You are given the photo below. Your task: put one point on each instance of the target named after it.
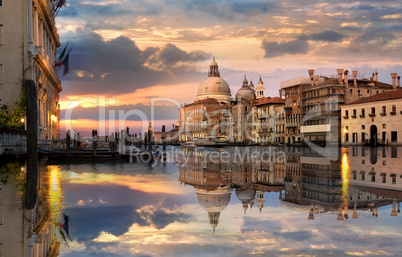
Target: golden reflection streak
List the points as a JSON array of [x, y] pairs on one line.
[[55, 194], [345, 177]]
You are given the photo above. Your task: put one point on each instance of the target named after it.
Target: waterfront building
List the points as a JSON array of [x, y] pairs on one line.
[[271, 117], [292, 90], [321, 102], [28, 43], [373, 120]]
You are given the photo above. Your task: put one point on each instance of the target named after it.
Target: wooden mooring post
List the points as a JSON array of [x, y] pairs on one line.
[[68, 141], [94, 143], [31, 98], [164, 143]]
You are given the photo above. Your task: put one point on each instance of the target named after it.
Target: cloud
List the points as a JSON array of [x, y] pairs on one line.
[[275, 49], [326, 36], [118, 66]]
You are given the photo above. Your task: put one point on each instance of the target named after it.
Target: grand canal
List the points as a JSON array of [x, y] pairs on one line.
[[259, 201]]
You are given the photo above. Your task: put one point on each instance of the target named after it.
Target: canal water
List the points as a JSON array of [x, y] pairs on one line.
[[245, 201]]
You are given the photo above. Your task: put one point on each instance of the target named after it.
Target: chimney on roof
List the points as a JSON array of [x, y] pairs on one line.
[[346, 78], [311, 74], [399, 81], [340, 72], [280, 93], [393, 76], [376, 75], [354, 77], [316, 77], [173, 126]]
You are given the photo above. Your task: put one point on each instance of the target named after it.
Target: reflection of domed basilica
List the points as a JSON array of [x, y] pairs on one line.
[[214, 202], [311, 183]]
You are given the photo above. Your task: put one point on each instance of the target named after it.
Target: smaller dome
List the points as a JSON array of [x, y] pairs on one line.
[[251, 84], [245, 92]]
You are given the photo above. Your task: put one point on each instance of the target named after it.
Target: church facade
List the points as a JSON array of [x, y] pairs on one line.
[[214, 113]]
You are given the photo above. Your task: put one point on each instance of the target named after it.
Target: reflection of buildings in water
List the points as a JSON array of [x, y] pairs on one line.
[[362, 180], [213, 176], [26, 232], [357, 183]]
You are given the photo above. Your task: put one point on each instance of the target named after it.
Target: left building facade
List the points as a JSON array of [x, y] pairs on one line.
[[28, 47]]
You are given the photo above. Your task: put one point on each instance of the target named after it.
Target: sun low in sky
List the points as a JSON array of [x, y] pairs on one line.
[[133, 51]]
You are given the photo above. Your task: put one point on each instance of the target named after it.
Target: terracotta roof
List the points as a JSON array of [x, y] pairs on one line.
[[390, 95], [223, 106], [203, 101], [270, 100]]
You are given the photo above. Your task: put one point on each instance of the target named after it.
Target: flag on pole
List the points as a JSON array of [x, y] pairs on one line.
[[57, 6], [66, 63], [60, 61]]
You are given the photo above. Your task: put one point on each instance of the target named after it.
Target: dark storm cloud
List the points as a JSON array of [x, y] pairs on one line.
[[274, 49], [162, 112], [119, 66], [326, 36], [91, 53], [171, 55]]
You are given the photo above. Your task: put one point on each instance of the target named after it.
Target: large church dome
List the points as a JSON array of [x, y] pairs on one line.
[[245, 92], [214, 86]]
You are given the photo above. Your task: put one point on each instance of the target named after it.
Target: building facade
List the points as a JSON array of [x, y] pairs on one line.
[[375, 120], [28, 43], [321, 102]]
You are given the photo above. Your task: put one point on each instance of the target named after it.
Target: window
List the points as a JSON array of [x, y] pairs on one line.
[[363, 113], [347, 137], [394, 136], [384, 178], [363, 136], [354, 113], [373, 110], [363, 126], [346, 114], [1, 2], [393, 112], [384, 125], [384, 109]]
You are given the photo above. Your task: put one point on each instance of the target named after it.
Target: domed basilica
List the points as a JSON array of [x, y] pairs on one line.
[[214, 112]]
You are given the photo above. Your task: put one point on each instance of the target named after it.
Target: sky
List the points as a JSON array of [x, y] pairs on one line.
[[128, 54]]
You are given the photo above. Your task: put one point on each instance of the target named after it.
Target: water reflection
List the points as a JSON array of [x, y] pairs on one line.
[[232, 202], [309, 182], [28, 232]]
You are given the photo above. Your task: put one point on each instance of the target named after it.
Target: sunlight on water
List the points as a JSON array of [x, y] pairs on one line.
[[345, 180], [55, 192]]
